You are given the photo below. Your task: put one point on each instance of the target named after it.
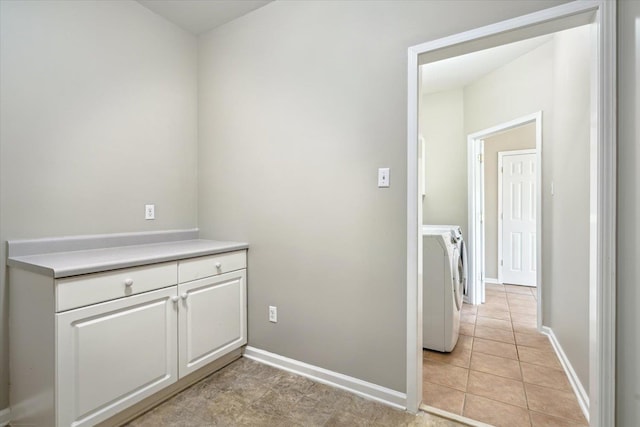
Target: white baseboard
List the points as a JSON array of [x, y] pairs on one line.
[[454, 417], [491, 280], [354, 385], [5, 417], [578, 389]]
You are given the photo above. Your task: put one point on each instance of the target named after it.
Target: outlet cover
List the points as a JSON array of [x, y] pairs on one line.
[[149, 211]]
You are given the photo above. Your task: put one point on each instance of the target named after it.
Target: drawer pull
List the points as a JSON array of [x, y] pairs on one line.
[[128, 282], [185, 295], [218, 265]]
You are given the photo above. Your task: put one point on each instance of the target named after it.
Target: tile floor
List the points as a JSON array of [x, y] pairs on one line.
[[247, 393], [502, 371]]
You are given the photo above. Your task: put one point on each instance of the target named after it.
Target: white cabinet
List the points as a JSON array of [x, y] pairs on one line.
[[212, 319], [85, 348], [114, 354]]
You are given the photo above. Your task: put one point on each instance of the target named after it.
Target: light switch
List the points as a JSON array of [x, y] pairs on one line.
[[383, 177]]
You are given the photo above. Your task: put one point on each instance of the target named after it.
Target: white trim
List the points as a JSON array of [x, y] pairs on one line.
[[353, 385], [602, 275], [501, 155], [451, 416], [5, 417], [602, 282], [414, 243], [576, 384], [475, 204], [492, 280]]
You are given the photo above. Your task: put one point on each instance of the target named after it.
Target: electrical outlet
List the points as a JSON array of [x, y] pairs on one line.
[[383, 177], [273, 314], [149, 211]]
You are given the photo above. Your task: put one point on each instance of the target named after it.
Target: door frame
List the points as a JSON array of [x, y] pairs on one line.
[[602, 310], [501, 156], [475, 203]]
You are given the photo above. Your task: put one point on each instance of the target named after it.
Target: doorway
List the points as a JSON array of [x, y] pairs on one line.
[[485, 217], [602, 170]]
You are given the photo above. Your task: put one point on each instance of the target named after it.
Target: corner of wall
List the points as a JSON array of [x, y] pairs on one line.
[[574, 380], [5, 417]]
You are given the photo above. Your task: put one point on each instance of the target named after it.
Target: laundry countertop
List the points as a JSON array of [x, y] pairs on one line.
[[73, 263]]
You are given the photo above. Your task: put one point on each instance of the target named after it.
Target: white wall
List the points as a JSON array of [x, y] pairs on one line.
[[628, 272], [300, 103], [98, 117], [442, 126]]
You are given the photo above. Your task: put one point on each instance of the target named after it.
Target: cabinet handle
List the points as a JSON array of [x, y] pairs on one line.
[[218, 265], [175, 298], [185, 295], [128, 282]]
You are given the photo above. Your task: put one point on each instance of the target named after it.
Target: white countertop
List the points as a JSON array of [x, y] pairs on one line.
[[73, 263]]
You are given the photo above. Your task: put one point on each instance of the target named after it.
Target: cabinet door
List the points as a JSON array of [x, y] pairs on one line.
[[212, 319], [114, 354]]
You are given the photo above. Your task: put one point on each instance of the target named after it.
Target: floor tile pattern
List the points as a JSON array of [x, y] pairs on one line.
[[247, 393], [502, 371]]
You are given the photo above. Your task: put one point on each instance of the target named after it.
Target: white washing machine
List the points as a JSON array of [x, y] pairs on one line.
[[443, 286], [456, 233]]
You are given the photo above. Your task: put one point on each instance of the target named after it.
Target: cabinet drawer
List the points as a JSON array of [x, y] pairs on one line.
[[198, 268], [88, 289]]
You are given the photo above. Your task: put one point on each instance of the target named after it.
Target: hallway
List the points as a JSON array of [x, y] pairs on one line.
[[502, 371]]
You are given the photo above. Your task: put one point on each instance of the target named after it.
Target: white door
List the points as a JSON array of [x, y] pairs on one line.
[[518, 217], [114, 354], [212, 319]]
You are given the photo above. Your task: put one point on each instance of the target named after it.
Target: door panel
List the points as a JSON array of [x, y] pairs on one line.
[[518, 207], [212, 319]]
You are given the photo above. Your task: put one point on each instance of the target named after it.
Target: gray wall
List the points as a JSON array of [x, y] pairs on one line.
[[98, 117], [628, 338], [442, 126], [300, 103], [520, 138], [566, 227]]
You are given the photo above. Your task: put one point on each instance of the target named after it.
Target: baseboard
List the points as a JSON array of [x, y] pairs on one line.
[[578, 389], [5, 417], [454, 417], [354, 385], [491, 280]]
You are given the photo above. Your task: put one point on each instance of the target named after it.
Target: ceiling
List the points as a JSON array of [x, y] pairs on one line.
[[461, 70], [199, 16]]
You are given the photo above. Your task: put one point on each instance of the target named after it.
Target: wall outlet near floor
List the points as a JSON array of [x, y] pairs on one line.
[[273, 314], [149, 211]]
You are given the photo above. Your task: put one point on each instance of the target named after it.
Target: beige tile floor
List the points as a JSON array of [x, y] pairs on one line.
[[247, 393], [502, 371]]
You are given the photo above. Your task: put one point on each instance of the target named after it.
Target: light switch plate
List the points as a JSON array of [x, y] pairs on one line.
[[383, 177]]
